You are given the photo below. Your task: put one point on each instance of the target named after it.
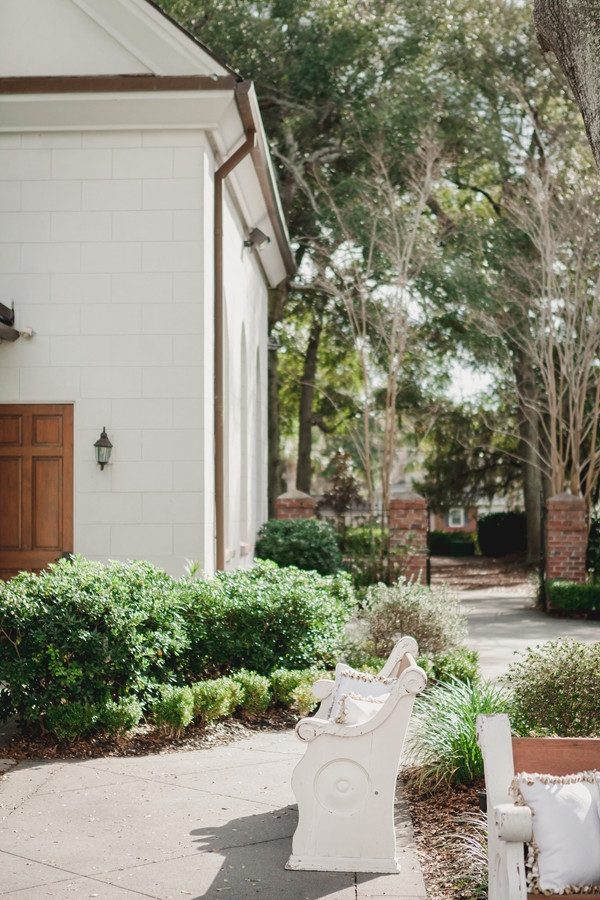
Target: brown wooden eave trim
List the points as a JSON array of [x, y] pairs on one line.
[[81, 84]]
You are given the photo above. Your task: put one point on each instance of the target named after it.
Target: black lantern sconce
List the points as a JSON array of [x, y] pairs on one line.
[[103, 447]]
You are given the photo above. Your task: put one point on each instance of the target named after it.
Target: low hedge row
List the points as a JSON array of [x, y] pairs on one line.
[[174, 707], [98, 639], [582, 599]]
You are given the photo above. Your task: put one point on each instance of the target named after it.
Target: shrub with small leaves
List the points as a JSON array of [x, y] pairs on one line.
[[263, 618], [304, 543], [117, 717], [173, 709], [69, 721], [430, 615], [555, 689], [81, 632], [292, 689], [459, 663], [256, 691], [215, 699]]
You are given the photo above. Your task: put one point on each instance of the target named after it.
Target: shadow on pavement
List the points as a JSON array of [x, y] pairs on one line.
[[254, 850]]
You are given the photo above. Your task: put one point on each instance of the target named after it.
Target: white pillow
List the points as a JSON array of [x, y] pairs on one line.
[[564, 856], [354, 709], [350, 681]]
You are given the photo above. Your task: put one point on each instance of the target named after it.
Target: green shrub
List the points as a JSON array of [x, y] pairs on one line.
[[458, 663], [256, 691], [430, 615], [569, 597], [173, 709], [304, 543], [117, 717], [555, 689], [593, 546], [502, 533], [292, 688], [69, 721], [263, 618], [81, 632], [457, 543], [442, 736], [216, 699]]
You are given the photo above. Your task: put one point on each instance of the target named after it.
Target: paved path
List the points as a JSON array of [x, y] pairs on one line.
[[503, 624], [211, 823]]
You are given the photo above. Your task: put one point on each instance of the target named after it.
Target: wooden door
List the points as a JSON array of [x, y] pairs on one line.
[[36, 486]]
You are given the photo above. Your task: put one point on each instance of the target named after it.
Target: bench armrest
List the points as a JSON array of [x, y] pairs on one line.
[[513, 823], [323, 688]]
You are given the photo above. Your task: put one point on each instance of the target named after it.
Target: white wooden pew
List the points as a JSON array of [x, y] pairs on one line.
[[510, 825], [345, 783]]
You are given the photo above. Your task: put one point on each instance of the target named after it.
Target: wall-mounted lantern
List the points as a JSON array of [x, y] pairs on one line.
[[103, 447], [257, 239]]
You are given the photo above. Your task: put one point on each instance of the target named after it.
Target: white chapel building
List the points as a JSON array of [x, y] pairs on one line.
[[140, 232]]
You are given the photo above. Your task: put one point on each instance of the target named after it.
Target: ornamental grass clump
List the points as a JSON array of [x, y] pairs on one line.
[[442, 740], [431, 615], [555, 689]]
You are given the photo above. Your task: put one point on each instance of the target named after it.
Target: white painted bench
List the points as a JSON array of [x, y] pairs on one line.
[[510, 824], [345, 783]]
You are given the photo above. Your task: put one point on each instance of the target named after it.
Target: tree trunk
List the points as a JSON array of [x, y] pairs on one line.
[[529, 453], [571, 30], [307, 392]]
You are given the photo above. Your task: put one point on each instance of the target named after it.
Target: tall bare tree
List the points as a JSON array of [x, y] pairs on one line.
[[380, 249]]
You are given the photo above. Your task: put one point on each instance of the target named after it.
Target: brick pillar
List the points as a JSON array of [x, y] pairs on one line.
[[408, 533], [294, 505], [566, 538]]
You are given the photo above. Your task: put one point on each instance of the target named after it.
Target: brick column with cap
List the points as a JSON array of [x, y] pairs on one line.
[[408, 534], [566, 538], [294, 505]]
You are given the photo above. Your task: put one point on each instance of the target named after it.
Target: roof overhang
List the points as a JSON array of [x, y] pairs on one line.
[[219, 104]]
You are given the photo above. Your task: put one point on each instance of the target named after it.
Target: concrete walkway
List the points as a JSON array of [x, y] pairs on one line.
[[503, 624], [211, 823]]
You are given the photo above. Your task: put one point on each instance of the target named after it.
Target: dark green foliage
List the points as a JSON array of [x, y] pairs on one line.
[[85, 647], [583, 599], [502, 533], [263, 618], [215, 699], [256, 691], [173, 709], [84, 633], [304, 543], [459, 663], [71, 720], [120, 716], [365, 552], [556, 690], [593, 547], [444, 543]]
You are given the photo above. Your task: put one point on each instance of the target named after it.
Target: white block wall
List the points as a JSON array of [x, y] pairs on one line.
[[106, 247]]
